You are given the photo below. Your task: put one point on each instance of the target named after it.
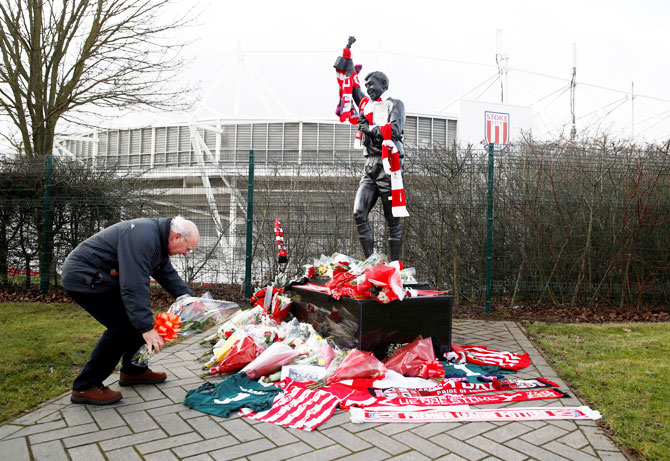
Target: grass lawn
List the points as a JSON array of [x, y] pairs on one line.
[[621, 370], [42, 349]]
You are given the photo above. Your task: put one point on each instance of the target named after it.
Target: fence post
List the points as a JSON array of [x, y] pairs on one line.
[[250, 226], [489, 232], [45, 259]]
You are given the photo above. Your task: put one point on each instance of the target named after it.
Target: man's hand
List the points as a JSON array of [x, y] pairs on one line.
[[153, 340]]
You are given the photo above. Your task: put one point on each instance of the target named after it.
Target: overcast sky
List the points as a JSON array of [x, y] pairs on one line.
[[434, 52]]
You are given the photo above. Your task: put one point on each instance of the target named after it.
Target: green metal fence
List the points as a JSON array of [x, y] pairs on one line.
[[584, 223]]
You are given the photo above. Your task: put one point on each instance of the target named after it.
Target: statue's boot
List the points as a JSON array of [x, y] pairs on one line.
[[395, 246], [367, 238], [395, 242]]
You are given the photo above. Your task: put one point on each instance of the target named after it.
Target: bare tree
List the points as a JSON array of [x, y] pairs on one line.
[[60, 58]]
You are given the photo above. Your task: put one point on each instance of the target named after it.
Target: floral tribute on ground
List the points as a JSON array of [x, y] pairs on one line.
[[282, 371]]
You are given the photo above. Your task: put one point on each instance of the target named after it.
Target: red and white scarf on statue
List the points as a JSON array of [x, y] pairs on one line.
[[365, 109], [393, 167], [347, 85], [390, 156]]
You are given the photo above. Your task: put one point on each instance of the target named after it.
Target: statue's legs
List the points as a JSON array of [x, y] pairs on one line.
[[366, 197], [383, 182], [395, 231]]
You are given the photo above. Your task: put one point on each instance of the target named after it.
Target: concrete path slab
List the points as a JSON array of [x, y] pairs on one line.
[[151, 423]]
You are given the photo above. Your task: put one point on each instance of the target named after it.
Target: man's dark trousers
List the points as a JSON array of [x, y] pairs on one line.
[[120, 340]]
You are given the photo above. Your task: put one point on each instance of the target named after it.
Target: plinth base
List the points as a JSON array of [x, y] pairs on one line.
[[380, 325]]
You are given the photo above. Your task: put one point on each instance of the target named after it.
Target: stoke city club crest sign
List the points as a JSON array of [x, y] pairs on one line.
[[497, 129]]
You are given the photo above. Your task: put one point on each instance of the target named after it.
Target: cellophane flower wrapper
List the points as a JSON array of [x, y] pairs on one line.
[[338, 358], [243, 352], [221, 348], [387, 276], [142, 357], [280, 307], [310, 351], [262, 335], [357, 365], [327, 353], [409, 359], [340, 284], [358, 267], [297, 333], [253, 316], [200, 313], [270, 361], [408, 275], [328, 266]]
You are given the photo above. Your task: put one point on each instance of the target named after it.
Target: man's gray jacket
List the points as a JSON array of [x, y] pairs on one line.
[[123, 258]]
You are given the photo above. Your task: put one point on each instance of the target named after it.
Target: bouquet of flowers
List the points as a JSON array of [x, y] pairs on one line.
[[167, 325], [408, 275], [328, 266], [357, 365], [314, 351], [262, 335], [372, 278], [410, 358], [353, 364], [253, 316], [242, 352], [296, 333], [200, 313], [341, 285], [270, 360], [272, 300], [381, 282]]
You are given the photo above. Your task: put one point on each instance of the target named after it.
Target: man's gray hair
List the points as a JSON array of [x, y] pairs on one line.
[[179, 226]]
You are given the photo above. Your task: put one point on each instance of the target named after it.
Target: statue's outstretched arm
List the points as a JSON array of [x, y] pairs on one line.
[[345, 64]]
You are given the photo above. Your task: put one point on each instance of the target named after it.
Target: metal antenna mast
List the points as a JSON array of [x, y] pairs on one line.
[[501, 61], [632, 110], [573, 85]]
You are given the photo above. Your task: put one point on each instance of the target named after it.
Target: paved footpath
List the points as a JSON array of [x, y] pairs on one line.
[[151, 423]]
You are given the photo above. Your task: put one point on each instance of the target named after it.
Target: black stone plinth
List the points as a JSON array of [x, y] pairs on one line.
[[380, 325]]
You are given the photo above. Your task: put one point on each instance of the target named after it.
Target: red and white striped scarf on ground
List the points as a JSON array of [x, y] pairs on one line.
[[393, 167], [400, 415], [445, 400], [481, 355], [437, 396], [297, 407]]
